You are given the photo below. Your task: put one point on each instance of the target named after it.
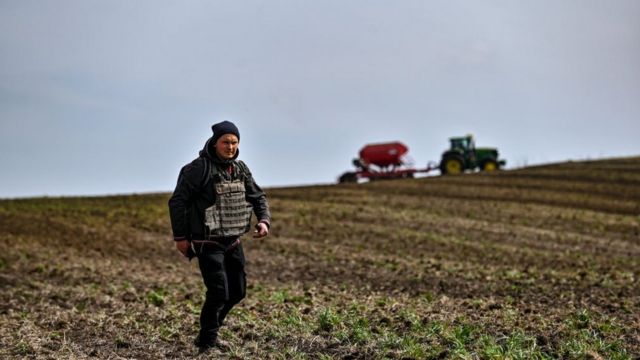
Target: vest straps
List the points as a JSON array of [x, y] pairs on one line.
[[211, 170]]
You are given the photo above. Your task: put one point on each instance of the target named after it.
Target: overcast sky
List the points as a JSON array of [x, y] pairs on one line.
[[104, 97]]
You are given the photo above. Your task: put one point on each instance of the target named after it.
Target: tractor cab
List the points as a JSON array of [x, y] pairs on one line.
[[465, 143], [466, 147]]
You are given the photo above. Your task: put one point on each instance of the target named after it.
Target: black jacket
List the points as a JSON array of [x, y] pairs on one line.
[[194, 193]]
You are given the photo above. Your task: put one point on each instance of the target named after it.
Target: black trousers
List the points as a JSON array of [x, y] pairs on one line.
[[223, 273]]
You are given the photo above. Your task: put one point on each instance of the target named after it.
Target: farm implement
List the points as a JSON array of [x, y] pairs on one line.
[[388, 161]]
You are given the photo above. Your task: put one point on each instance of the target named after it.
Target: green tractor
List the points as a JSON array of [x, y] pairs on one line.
[[463, 155]]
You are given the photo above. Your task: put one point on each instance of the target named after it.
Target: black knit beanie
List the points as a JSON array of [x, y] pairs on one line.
[[222, 128]]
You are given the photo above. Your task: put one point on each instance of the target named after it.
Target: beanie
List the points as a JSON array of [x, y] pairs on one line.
[[222, 128]]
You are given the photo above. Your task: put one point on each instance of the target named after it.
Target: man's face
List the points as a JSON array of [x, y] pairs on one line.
[[227, 146]]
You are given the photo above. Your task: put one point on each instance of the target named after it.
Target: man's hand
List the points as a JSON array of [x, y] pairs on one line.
[[261, 230], [183, 247]]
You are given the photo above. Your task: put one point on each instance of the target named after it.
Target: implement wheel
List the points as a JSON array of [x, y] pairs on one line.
[[452, 165], [348, 177]]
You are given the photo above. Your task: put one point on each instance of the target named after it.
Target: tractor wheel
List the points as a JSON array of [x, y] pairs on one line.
[[348, 177], [490, 165], [452, 165]]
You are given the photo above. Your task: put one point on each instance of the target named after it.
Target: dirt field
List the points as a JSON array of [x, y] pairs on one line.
[[541, 262]]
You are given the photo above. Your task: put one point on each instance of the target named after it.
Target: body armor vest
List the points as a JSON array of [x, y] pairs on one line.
[[230, 215]]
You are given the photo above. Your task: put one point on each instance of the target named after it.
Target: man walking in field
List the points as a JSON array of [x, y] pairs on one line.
[[210, 209]]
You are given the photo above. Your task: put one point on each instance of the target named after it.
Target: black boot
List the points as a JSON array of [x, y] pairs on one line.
[[205, 343], [210, 344]]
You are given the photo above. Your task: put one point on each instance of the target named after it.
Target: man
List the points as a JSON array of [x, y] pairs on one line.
[[210, 209]]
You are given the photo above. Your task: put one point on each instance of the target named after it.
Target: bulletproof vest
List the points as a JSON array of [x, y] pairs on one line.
[[230, 215]]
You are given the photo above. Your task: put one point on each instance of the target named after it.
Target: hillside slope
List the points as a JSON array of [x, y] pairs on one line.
[[541, 262]]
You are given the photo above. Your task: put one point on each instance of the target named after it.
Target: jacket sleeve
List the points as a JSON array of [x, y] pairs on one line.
[[257, 198], [180, 202]]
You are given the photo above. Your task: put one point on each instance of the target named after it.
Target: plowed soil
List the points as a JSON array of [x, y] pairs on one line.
[[541, 262]]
